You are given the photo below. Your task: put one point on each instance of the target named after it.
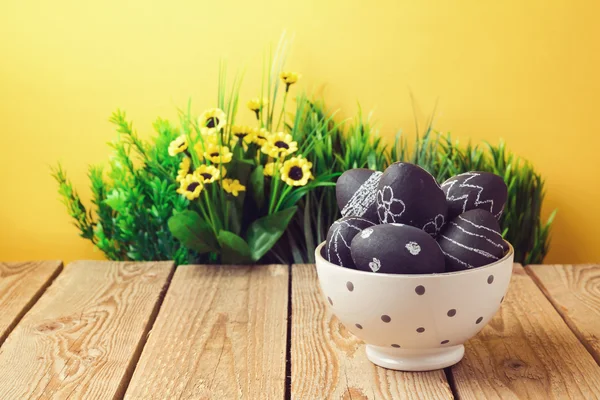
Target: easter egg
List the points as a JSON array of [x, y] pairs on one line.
[[340, 236], [323, 252], [396, 249], [410, 195], [471, 240], [356, 193], [475, 189]]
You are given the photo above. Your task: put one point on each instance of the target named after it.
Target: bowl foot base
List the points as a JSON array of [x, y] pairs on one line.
[[415, 359]]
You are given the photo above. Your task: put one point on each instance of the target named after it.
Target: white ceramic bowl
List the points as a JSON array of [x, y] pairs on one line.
[[415, 322]]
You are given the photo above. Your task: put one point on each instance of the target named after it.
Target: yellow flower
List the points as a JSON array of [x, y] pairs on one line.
[[190, 187], [242, 133], [207, 173], [296, 171], [178, 145], [232, 186], [211, 121], [184, 168], [289, 78], [260, 136], [217, 154], [269, 169], [279, 144], [256, 104]]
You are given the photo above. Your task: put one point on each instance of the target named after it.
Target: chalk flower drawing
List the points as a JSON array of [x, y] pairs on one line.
[[375, 265], [388, 208], [434, 226], [413, 248]]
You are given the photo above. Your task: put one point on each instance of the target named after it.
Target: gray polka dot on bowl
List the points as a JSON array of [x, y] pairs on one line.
[[396, 345], [479, 320], [330, 301], [350, 286], [420, 290], [386, 318], [490, 279], [444, 342], [421, 330], [451, 313], [359, 326]]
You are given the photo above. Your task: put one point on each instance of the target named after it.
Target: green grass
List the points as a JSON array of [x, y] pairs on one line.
[[358, 145]]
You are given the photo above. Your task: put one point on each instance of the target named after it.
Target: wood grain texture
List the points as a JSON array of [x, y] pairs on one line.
[[574, 291], [81, 339], [328, 362], [21, 285], [220, 334], [526, 352]]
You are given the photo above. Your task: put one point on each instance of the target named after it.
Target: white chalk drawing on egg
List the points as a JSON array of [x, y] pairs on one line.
[[487, 239], [366, 233], [413, 248], [338, 238], [434, 226], [389, 208], [465, 197], [474, 250], [362, 199], [375, 265]]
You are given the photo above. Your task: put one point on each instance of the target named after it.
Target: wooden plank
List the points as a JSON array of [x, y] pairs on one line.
[[221, 334], [81, 339], [328, 362], [526, 352], [574, 291], [21, 285]]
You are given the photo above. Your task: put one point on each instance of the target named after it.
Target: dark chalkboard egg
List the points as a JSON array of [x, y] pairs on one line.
[[475, 189], [356, 193], [410, 195], [396, 249], [340, 236], [324, 252], [471, 240]]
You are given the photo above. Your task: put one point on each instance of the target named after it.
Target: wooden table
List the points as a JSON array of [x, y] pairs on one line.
[[153, 331]]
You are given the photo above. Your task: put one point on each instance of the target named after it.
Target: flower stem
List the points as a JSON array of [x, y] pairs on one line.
[[282, 112]]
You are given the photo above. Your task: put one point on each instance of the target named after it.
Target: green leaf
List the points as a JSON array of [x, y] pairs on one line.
[[193, 232], [265, 232], [234, 249], [257, 183]]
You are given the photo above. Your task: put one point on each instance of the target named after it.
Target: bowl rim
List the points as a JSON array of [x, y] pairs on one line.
[[321, 260]]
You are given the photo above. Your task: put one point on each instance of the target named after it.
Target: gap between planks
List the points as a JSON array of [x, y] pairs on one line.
[[526, 351], [70, 341], [120, 394], [55, 268], [220, 333], [567, 288], [328, 362], [287, 394]]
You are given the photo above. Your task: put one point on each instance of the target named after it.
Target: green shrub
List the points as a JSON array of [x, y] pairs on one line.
[[360, 146]]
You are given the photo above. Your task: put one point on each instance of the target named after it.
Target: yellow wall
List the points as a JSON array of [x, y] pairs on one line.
[[525, 71]]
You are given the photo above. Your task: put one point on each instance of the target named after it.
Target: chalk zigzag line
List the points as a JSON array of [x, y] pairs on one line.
[[465, 197]]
